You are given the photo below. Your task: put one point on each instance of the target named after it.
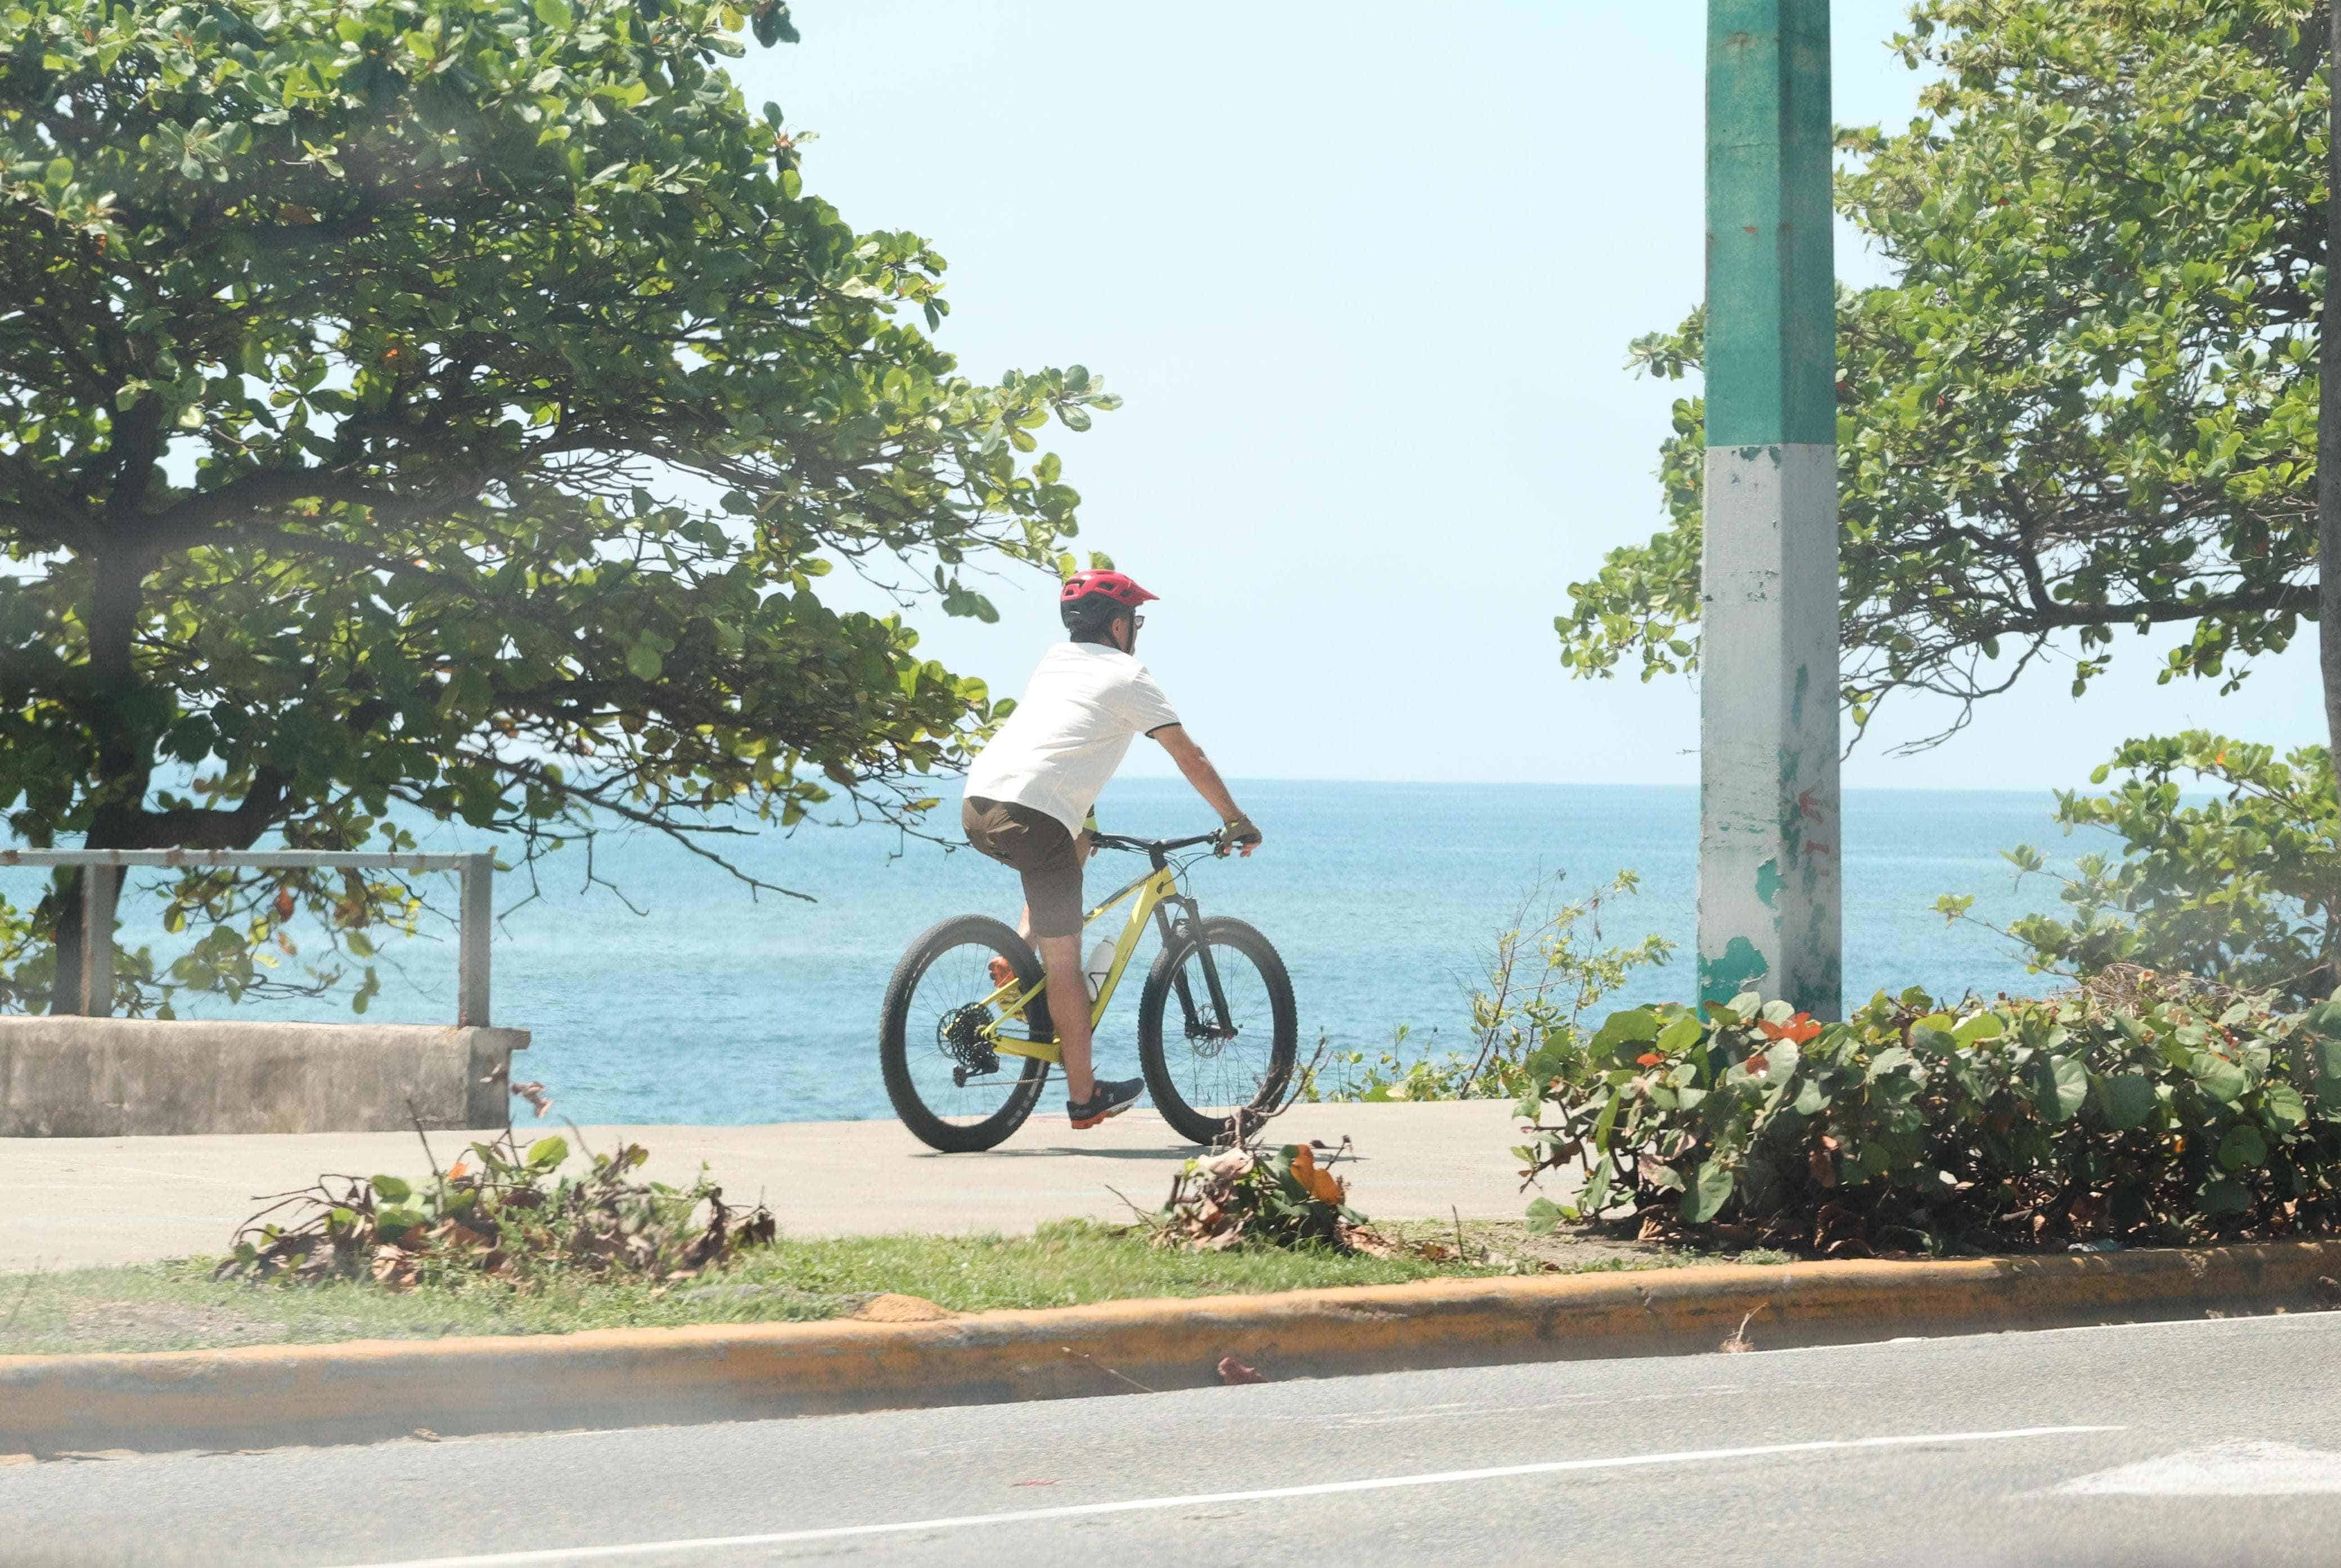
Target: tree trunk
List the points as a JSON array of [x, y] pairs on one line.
[[125, 757]]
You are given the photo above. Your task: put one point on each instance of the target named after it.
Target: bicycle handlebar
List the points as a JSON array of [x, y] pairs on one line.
[[1150, 846]]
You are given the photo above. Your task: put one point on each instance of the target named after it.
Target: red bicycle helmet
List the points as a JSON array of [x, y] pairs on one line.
[[1083, 586]]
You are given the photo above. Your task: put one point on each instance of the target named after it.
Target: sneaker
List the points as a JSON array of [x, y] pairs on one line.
[[1105, 1099]]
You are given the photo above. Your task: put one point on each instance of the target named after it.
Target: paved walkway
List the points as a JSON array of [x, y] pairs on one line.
[[73, 1202]]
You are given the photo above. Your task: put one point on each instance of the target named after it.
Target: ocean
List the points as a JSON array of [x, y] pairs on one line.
[[710, 1006]]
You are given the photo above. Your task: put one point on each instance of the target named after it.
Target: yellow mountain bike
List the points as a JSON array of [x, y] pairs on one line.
[[965, 1057]]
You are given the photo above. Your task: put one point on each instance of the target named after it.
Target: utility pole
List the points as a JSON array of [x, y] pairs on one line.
[[1769, 907]]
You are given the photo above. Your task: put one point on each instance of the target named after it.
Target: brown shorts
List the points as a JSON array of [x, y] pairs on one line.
[[1037, 845]]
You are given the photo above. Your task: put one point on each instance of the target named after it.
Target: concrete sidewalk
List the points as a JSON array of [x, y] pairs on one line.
[[67, 1203]]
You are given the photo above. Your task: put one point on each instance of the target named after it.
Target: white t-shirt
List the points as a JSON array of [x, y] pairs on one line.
[[1070, 731]]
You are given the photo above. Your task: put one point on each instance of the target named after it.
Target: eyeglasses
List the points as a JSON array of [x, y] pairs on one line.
[[1136, 621]]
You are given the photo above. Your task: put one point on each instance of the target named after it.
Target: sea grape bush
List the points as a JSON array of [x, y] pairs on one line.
[[2176, 1113], [2243, 889]]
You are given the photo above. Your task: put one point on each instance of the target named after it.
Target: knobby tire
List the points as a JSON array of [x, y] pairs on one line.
[[899, 1034], [1188, 1121]]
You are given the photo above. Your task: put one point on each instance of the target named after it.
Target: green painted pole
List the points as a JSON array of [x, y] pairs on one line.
[[1769, 907]]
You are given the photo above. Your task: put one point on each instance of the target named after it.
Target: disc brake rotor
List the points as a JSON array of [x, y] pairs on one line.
[[1206, 1041]]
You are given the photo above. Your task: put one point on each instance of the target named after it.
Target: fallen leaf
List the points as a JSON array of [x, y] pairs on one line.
[[1233, 1372], [426, 1434]]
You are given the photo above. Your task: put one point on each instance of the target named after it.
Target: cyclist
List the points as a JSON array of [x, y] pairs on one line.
[[1031, 792]]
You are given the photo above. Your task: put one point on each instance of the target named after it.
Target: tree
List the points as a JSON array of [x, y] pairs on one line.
[[453, 403], [2242, 889], [2089, 400]]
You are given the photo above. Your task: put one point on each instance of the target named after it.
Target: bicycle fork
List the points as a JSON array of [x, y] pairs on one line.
[[1221, 1027]]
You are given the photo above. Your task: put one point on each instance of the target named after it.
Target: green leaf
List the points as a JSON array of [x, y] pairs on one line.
[[2243, 1148], [1594, 1196], [2129, 1100], [2285, 1107], [2062, 1084], [1543, 1217], [397, 1220], [2218, 1078], [390, 1189], [1893, 1059], [1982, 1027], [1680, 1035], [2223, 1195], [546, 1153], [2327, 1054], [1708, 1191], [553, 13], [1632, 1025]]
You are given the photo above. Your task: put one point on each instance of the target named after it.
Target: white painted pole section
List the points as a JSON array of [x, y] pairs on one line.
[[1769, 885]]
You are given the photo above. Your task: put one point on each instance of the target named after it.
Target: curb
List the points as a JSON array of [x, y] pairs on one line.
[[260, 1396]]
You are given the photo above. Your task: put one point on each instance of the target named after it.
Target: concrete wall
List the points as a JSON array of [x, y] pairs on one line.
[[121, 1077]]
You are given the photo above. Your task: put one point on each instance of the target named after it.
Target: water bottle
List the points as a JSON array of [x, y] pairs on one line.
[[1099, 965]]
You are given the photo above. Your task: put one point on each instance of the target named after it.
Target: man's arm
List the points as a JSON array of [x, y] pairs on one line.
[[1207, 782]]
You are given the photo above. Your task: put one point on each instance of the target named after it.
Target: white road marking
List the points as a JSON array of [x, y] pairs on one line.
[[2241, 1469], [2249, 1323], [558, 1555]]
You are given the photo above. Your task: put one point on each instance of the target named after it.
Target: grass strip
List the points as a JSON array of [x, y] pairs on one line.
[[178, 1306]]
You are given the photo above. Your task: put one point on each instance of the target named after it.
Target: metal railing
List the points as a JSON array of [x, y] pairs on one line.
[[101, 885]]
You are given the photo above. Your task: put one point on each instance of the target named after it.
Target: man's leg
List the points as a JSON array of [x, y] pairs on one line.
[[1069, 1010]]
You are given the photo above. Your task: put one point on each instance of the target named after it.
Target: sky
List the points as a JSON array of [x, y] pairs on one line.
[[1365, 274]]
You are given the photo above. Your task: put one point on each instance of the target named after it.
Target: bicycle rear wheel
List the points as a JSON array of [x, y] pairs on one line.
[[1220, 1053], [953, 1093]]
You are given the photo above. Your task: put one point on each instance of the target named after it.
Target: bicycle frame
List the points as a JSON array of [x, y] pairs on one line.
[[1153, 893]]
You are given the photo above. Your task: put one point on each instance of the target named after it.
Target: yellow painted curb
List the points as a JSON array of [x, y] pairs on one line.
[[260, 1396]]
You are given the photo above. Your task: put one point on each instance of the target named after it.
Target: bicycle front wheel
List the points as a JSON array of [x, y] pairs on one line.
[[1218, 1038], [951, 1090]]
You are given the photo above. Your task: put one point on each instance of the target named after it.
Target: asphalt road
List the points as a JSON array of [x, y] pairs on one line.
[[2215, 1443]]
